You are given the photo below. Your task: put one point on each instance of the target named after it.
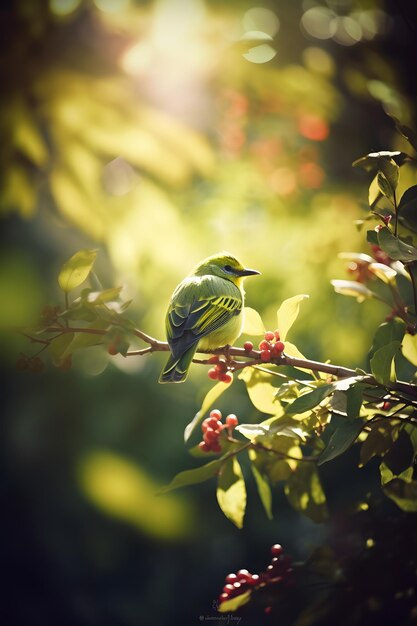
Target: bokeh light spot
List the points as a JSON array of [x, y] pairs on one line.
[[348, 31], [318, 60], [319, 22], [313, 127], [311, 175], [63, 7], [118, 177], [111, 6], [261, 19], [283, 181], [260, 54]]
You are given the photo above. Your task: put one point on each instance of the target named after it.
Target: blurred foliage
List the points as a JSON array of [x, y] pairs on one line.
[[157, 135]]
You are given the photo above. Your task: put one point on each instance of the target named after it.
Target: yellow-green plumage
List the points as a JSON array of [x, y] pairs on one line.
[[205, 312]]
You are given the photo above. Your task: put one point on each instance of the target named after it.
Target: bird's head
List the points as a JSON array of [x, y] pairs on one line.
[[225, 266]]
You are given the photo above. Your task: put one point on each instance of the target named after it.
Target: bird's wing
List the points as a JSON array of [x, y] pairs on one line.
[[200, 305]]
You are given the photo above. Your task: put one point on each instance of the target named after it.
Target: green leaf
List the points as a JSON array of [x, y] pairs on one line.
[[378, 441], [288, 313], [402, 490], [101, 297], [352, 288], [264, 490], [400, 455], [409, 348], [387, 177], [213, 394], [288, 427], [373, 160], [354, 396], [59, 346], [231, 491], [261, 391], [343, 437], [194, 476], [386, 333], [372, 237], [382, 363], [395, 248], [251, 431], [82, 340], [407, 207], [252, 322], [230, 606], [384, 272], [309, 400], [75, 271], [305, 493], [374, 193], [406, 132]]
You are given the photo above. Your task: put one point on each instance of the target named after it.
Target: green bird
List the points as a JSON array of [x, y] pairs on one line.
[[205, 312]]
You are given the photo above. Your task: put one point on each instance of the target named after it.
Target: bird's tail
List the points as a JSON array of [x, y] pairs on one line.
[[176, 369]]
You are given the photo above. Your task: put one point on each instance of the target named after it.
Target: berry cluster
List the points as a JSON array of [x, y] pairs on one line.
[[33, 364], [360, 271], [220, 370], [380, 256], [278, 570], [212, 428], [271, 346]]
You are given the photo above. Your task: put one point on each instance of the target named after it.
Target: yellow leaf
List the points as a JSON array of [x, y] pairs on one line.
[[409, 348], [75, 271], [288, 313], [252, 324]]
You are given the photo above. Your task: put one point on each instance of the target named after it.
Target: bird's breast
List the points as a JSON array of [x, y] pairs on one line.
[[223, 336]]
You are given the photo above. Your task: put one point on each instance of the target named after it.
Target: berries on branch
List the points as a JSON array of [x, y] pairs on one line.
[[278, 571], [271, 346], [220, 371], [212, 428]]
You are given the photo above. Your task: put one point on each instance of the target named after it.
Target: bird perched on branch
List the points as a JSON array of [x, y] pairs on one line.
[[205, 312]]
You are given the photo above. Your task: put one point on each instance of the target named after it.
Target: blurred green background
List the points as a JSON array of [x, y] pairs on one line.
[[161, 132]]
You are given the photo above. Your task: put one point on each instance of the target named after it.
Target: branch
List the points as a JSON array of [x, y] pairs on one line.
[[252, 357]]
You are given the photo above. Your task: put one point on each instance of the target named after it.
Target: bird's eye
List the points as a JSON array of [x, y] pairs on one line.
[[228, 268]]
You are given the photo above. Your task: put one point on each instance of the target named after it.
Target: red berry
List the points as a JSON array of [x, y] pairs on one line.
[[210, 436], [248, 346], [216, 413], [231, 578], [265, 355], [213, 373], [213, 359], [223, 597], [264, 345], [204, 447], [278, 348], [228, 588], [237, 586], [268, 610], [205, 425], [277, 335], [214, 423], [276, 549], [269, 335], [254, 580], [112, 349], [226, 378], [243, 573], [231, 421], [216, 447], [221, 367]]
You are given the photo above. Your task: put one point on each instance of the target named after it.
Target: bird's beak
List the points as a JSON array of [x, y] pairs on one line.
[[246, 272]]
